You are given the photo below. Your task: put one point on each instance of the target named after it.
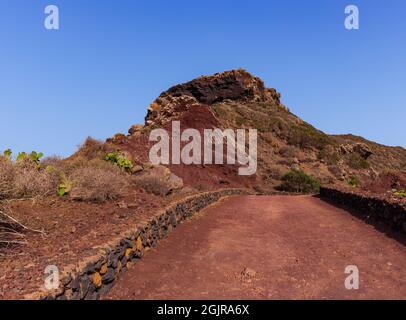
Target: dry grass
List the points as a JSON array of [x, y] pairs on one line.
[[24, 180], [152, 183], [11, 231], [30, 181], [93, 149], [158, 180], [6, 178], [97, 184], [92, 180]]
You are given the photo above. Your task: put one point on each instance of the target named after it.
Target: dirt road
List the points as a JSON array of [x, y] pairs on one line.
[[291, 247]]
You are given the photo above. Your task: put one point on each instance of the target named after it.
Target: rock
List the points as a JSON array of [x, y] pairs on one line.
[[229, 85], [137, 169], [117, 138], [248, 272], [112, 260], [175, 182], [103, 269], [234, 85], [85, 285], [135, 129], [361, 148], [295, 167], [90, 268], [109, 276], [168, 180], [122, 205], [139, 245], [97, 280]]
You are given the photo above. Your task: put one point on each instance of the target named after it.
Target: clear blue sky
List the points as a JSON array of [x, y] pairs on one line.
[[99, 72]]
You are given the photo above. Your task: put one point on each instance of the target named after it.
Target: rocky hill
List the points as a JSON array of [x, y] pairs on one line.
[[236, 99]]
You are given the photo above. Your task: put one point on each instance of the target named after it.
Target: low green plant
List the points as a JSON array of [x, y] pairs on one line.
[[120, 160], [356, 161], [36, 156], [306, 136], [353, 182], [400, 193], [239, 121], [65, 186], [7, 154], [298, 181], [33, 156], [21, 156], [331, 158]]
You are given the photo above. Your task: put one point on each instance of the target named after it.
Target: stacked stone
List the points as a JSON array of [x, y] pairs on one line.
[[372, 208]]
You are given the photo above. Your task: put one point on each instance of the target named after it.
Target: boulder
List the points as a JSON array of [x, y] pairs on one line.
[[135, 129]]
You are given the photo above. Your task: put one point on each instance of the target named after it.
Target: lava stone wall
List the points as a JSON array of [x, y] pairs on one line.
[[95, 276], [371, 208]]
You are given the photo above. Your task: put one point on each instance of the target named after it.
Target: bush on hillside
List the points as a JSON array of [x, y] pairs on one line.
[[93, 149], [6, 177], [356, 161], [97, 184], [305, 136], [353, 182], [24, 178], [158, 181], [300, 182]]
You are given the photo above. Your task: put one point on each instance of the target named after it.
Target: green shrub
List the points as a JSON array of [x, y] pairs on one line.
[[298, 181], [120, 160], [7, 154], [353, 182], [400, 193], [356, 161], [219, 111], [239, 121], [34, 156], [305, 136], [331, 158], [65, 186], [21, 156]]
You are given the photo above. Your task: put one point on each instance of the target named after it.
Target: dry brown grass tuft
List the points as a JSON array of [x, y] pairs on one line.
[[93, 149], [159, 181], [97, 184], [10, 231], [152, 184], [30, 181], [24, 180], [6, 178]]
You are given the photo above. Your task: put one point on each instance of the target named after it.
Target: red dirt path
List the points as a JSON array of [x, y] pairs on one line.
[[297, 247]]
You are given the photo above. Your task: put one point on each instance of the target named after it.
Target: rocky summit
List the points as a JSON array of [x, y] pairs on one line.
[[235, 85], [236, 99]]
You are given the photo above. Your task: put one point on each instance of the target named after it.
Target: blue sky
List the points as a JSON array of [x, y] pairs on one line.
[[97, 74]]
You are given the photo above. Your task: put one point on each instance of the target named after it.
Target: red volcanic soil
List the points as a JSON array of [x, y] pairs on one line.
[[268, 247], [386, 182], [71, 232]]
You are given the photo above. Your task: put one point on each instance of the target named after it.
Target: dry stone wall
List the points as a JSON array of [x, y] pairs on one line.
[[372, 208]]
